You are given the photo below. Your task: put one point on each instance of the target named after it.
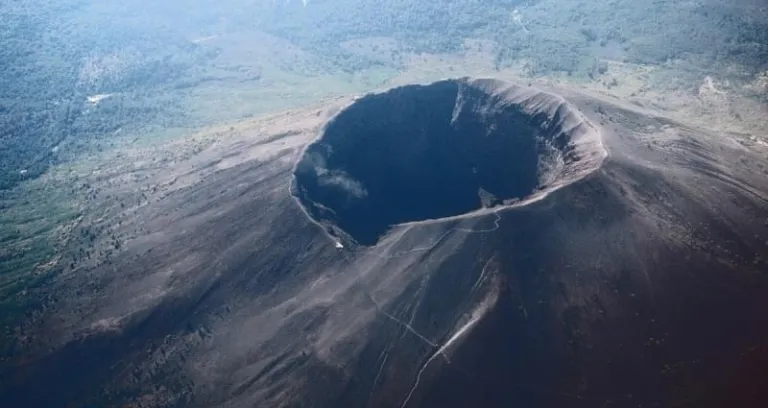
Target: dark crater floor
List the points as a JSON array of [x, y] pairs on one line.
[[424, 152]]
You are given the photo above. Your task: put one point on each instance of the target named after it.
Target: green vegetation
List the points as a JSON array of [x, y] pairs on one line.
[[161, 65], [35, 221]]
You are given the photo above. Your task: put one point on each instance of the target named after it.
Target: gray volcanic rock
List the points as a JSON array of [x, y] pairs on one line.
[[465, 243]]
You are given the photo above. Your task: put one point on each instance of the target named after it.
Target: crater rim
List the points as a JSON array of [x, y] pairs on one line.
[[584, 147]]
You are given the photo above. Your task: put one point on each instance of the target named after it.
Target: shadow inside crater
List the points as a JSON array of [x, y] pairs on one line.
[[423, 152]]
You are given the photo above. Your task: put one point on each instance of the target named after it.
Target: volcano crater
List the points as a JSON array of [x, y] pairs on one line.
[[447, 149]]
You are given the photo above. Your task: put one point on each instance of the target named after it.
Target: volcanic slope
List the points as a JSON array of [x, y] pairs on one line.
[[463, 243]]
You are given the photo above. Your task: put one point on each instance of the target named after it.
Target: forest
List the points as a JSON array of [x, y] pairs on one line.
[[57, 54]]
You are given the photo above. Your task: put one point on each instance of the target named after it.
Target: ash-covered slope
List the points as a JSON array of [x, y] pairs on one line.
[[636, 278], [446, 149]]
